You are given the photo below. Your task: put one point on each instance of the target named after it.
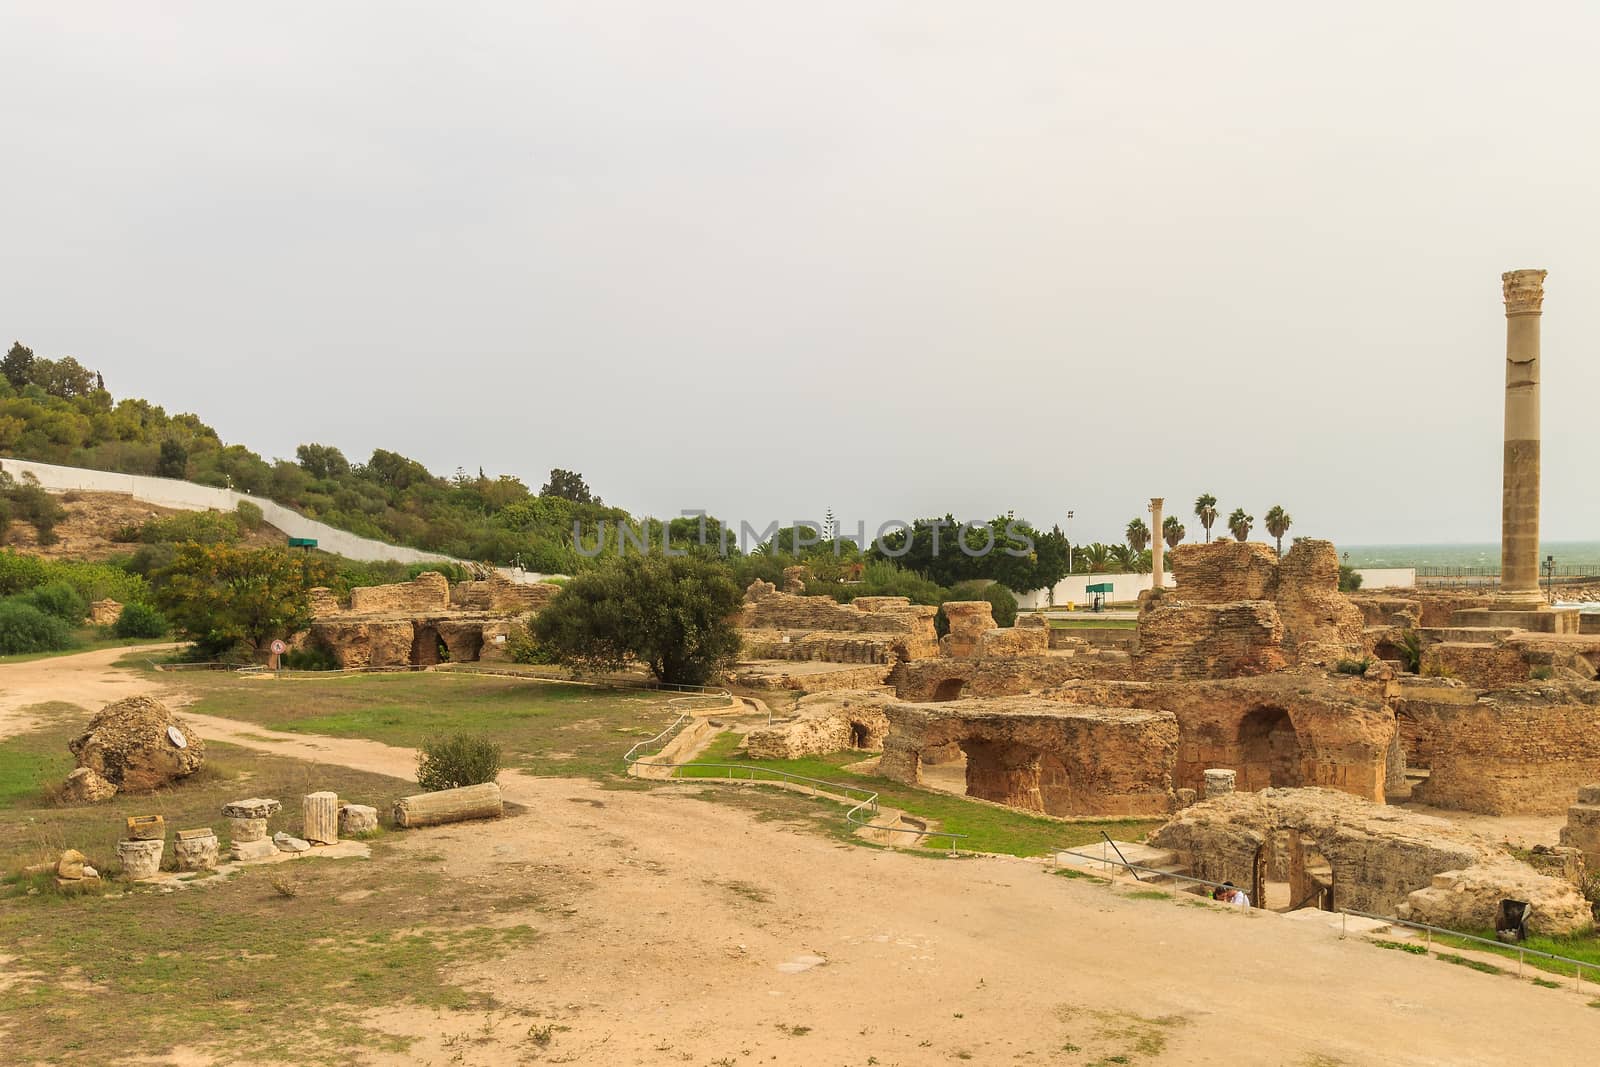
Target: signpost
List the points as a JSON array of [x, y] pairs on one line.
[[278, 649]]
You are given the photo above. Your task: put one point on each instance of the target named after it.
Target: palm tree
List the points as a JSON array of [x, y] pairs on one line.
[[1138, 535], [1205, 509], [1172, 531], [1126, 558], [1096, 557], [1239, 524], [1278, 522]]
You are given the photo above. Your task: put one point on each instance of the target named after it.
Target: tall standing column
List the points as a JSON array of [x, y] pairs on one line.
[[1157, 575], [1519, 511]]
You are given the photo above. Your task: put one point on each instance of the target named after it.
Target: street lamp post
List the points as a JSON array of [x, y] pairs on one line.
[[1550, 579], [1069, 541]]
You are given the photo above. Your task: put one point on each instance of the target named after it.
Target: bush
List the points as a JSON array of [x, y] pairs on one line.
[[314, 657], [24, 628], [1349, 580], [58, 599], [523, 648], [250, 516], [19, 572], [141, 620], [1353, 666], [1541, 674], [1004, 602], [457, 760]]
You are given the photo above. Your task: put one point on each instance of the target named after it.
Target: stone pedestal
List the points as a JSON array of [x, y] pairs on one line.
[[1219, 782], [195, 850], [1583, 824], [320, 818], [357, 819], [146, 827], [140, 859], [244, 830]]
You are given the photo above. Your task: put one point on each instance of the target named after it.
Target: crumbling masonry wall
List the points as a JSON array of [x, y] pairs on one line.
[[1036, 756]]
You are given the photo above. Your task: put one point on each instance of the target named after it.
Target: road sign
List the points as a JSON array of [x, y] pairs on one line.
[[279, 648]]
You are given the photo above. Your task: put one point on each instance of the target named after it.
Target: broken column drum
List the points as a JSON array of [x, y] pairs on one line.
[[320, 818]]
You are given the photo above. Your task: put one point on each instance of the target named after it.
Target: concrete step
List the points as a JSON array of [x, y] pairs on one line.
[[1350, 924], [1143, 855]]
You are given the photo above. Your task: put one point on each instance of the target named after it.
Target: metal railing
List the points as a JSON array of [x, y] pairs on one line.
[[1499, 948], [862, 799]]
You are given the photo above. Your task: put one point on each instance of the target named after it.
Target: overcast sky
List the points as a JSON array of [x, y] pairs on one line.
[[888, 258]]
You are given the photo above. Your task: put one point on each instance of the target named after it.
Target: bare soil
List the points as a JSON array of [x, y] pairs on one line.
[[688, 929]]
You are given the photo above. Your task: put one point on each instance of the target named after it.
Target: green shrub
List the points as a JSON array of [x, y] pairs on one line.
[[98, 581], [141, 620], [24, 628], [200, 527], [19, 572], [1410, 647], [1004, 602], [1541, 674], [457, 760], [1353, 666], [1349, 580], [250, 516], [60, 600], [522, 647], [314, 657]]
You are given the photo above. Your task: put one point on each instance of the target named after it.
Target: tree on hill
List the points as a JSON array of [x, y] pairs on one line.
[[174, 459], [1239, 524], [671, 615], [1205, 509], [322, 462], [222, 595], [17, 365], [568, 485], [1278, 523]]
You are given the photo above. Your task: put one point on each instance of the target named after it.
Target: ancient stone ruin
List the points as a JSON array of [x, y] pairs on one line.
[[133, 746], [423, 622]]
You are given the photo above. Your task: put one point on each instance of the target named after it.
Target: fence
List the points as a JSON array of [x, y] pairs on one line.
[[1499, 948]]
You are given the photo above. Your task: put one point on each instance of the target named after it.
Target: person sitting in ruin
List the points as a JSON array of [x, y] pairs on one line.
[[1232, 894]]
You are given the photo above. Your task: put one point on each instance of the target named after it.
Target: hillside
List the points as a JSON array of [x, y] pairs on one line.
[[58, 411], [97, 526]]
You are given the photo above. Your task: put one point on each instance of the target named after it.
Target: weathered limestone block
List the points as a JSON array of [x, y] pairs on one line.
[[146, 827], [357, 642], [323, 602], [131, 745], [105, 612], [449, 805], [1223, 572], [253, 808], [794, 579], [288, 843], [1480, 665], [881, 603], [1014, 641], [807, 736], [195, 850], [969, 620], [429, 591], [1219, 782], [1320, 623], [71, 864], [499, 594], [1182, 640], [1583, 824], [1470, 899], [85, 786], [140, 859], [320, 818], [355, 819], [909, 626], [248, 851]]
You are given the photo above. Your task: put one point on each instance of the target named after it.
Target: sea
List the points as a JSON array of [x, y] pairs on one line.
[[1485, 554]]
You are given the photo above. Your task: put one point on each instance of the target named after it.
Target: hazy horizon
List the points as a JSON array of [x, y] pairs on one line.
[[890, 260]]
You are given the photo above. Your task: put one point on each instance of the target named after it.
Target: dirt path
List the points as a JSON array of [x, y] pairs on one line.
[[688, 932], [87, 679]]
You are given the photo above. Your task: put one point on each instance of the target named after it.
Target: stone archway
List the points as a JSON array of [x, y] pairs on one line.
[[949, 689], [1004, 772], [428, 648], [1269, 750], [860, 736]]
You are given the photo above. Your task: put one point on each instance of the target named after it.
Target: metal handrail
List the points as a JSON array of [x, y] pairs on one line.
[[868, 801], [1498, 947]]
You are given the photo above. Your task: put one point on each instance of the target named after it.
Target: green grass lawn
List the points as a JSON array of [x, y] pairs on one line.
[[546, 728], [1582, 947], [989, 828]]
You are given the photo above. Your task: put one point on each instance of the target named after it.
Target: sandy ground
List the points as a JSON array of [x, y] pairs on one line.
[[87, 680], [687, 932]]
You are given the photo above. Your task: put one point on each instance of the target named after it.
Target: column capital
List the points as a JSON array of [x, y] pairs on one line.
[[1524, 291]]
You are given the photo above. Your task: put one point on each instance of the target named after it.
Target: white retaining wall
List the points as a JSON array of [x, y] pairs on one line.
[[1387, 577], [1073, 589], [187, 496]]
